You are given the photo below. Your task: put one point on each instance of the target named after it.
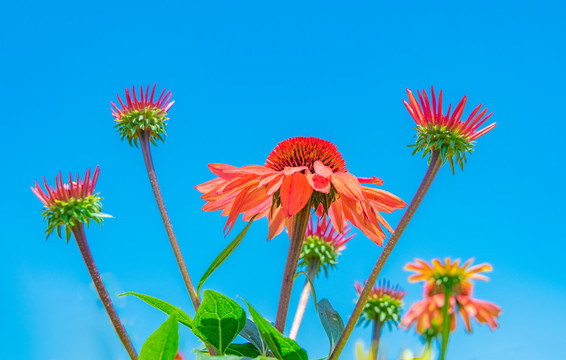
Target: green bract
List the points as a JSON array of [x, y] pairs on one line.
[[70, 213], [452, 146], [317, 251], [134, 122], [384, 309]]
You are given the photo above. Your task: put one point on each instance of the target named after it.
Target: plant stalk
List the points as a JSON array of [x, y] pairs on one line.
[[446, 321], [434, 166], [312, 269], [79, 234], [375, 339], [144, 141], [300, 222]]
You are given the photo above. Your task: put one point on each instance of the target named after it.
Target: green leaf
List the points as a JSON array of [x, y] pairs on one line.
[[282, 348], [203, 356], [165, 307], [218, 320], [251, 334], [331, 322], [312, 287], [224, 255], [246, 349], [163, 343]]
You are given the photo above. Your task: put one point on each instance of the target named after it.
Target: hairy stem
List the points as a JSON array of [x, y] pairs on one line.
[[312, 270], [78, 232], [375, 338], [144, 140], [446, 321], [434, 166], [300, 222]]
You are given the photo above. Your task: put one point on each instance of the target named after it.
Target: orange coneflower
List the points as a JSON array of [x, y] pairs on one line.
[[446, 133], [428, 312], [437, 277], [301, 172], [449, 273]]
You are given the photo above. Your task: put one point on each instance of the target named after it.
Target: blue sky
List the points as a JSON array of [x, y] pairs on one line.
[[245, 76]]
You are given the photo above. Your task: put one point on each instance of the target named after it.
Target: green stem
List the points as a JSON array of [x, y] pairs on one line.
[[79, 234], [377, 325], [434, 166], [144, 141], [427, 349], [312, 269], [446, 321], [300, 222]]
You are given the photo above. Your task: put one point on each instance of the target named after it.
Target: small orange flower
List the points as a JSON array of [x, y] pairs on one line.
[[437, 276], [428, 312], [300, 172], [450, 272]]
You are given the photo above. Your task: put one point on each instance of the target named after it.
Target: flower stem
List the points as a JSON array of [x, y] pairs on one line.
[[78, 232], [144, 141], [300, 223], [375, 339], [446, 321], [312, 270], [434, 166]]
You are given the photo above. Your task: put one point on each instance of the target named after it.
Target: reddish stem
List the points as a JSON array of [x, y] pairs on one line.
[[434, 166], [78, 232], [144, 141], [300, 223]]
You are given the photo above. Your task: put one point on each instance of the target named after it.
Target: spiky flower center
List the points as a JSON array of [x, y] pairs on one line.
[[383, 308], [305, 151], [318, 252], [70, 213]]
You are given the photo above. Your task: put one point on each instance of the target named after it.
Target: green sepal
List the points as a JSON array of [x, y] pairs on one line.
[[68, 214]]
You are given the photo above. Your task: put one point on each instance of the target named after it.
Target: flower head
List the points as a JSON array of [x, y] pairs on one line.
[[323, 244], [446, 133], [439, 275], [143, 114], [384, 303], [70, 204], [301, 172], [427, 313]]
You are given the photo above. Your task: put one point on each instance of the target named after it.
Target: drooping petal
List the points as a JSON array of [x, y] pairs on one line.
[[295, 193]]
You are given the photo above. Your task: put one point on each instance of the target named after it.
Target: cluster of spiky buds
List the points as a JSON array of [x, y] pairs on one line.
[[70, 204], [322, 245], [447, 134], [384, 304], [142, 115]]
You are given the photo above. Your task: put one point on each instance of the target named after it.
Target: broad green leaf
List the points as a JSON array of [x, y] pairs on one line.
[[163, 343], [246, 349], [224, 255], [251, 333], [331, 322], [282, 348], [165, 307], [218, 320], [203, 356]]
